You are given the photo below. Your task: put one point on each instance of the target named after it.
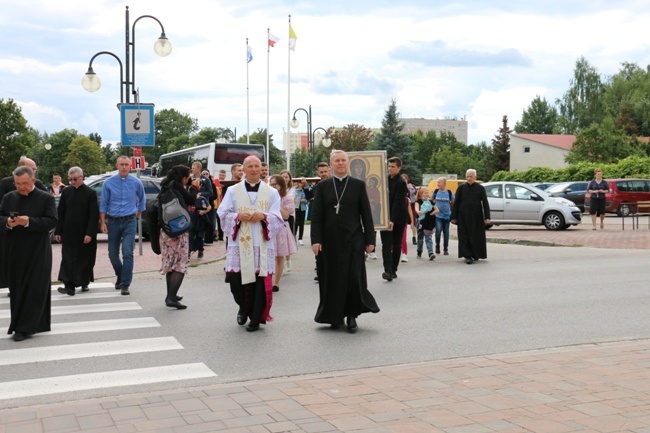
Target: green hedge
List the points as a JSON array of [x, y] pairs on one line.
[[632, 166]]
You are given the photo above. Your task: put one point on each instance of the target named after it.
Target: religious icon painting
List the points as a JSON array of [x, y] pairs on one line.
[[370, 166]]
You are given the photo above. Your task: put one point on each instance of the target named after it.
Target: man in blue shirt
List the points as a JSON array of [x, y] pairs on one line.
[[121, 203]]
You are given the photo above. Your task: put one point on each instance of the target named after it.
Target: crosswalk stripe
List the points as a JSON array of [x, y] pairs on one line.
[[102, 325], [107, 379], [88, 350], [86, 308], [91, 295], [98, 326]]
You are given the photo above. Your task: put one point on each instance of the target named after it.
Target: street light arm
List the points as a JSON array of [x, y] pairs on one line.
[[90, 82], [162, 47], [326, 141], [294, 121]]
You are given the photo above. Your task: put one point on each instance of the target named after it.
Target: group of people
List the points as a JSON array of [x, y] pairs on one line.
[[28, 214], [259, 216]]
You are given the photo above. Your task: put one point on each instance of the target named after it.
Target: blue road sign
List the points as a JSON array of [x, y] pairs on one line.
[[137, 124]]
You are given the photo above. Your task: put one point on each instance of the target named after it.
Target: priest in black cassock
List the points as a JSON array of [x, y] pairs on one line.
[[28, 214], [471, 213], [342, 232], [77, 231], [6, 186]]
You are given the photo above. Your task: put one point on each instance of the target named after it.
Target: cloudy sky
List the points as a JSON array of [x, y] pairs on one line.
[[468, 58]]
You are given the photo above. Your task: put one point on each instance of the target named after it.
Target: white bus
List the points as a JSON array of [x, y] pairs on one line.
[[213, 156]]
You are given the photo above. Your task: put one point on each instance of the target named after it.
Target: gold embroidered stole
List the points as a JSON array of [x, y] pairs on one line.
[[245, 236]]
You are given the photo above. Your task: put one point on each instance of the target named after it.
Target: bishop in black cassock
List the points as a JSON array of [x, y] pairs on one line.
[[78, 221], [341, 223], [29, 260]]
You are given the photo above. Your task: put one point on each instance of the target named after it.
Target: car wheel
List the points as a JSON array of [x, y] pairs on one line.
[[554, 221], [624, 210]]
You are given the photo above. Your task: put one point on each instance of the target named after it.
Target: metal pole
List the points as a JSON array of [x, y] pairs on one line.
[[127, 59], [310, 141]]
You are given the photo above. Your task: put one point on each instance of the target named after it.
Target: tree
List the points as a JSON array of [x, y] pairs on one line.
[[276, 162], [87, 154], [395, 143], [173, 132], [15, 137], [51, 161], [626, 99], [208, 135], [582, 105], [351, 138], [448, 160], [539, 118], [501, 147], [603, 143]]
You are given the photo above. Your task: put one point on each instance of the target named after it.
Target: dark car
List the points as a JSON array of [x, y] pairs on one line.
[[543, 185], [574, 191], [151, 190]]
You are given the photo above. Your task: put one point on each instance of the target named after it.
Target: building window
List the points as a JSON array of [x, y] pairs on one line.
[[526, 149]]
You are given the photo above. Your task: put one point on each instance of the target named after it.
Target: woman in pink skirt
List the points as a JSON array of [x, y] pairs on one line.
[[285, 243]]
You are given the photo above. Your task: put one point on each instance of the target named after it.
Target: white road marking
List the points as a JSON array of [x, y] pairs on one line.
[[88, 350], [106, 379]]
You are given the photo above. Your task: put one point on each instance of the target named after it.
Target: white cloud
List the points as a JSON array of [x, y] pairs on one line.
[[345, 64]]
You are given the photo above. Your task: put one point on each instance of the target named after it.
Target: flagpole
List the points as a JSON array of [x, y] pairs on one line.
[[248, 134], [288, 145], [268, 56]]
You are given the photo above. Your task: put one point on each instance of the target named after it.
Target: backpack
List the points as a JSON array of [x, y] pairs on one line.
[[436, 192], [173, 218]]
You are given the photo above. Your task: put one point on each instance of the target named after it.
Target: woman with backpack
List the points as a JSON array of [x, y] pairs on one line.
[[175, 248]]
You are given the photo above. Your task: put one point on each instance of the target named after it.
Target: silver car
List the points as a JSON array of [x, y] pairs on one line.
[[520, 203]]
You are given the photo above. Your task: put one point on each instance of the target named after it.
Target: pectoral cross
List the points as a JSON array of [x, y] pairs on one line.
[[337, 207]]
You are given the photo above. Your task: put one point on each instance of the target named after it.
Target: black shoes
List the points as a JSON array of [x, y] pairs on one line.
[[352, 325], [175, 304], [432, 256], [241, 318], [469, 260], [419, 256], [20, 336], [393, 275], [415, 242], [84, 288], [118, 283], [446, 253], [252, 327], [66, 291], [437, 249], [387, 276], [125, 290], [200, 256], [276, 289]]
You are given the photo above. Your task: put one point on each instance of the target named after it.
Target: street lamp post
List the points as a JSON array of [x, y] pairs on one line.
[[91, 82], [310, 133]]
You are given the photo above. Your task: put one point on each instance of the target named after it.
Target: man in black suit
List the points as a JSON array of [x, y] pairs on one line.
[[391, 239]]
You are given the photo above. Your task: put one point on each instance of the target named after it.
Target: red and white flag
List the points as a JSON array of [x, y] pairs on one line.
[[272, 40]]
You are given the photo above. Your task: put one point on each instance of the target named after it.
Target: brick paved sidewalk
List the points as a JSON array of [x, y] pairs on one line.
[[586, 388]]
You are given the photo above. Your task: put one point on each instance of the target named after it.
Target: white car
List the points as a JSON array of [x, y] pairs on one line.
[[520, 203]]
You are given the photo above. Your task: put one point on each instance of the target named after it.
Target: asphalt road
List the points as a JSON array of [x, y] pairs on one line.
[[522, 298]]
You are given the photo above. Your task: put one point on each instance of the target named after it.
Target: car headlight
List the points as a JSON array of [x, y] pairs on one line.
[[564, 202]]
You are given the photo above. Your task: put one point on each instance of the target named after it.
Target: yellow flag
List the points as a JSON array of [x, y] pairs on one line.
[[292, 39]]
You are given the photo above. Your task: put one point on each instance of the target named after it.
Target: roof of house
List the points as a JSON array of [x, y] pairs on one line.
[[560, 141]]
